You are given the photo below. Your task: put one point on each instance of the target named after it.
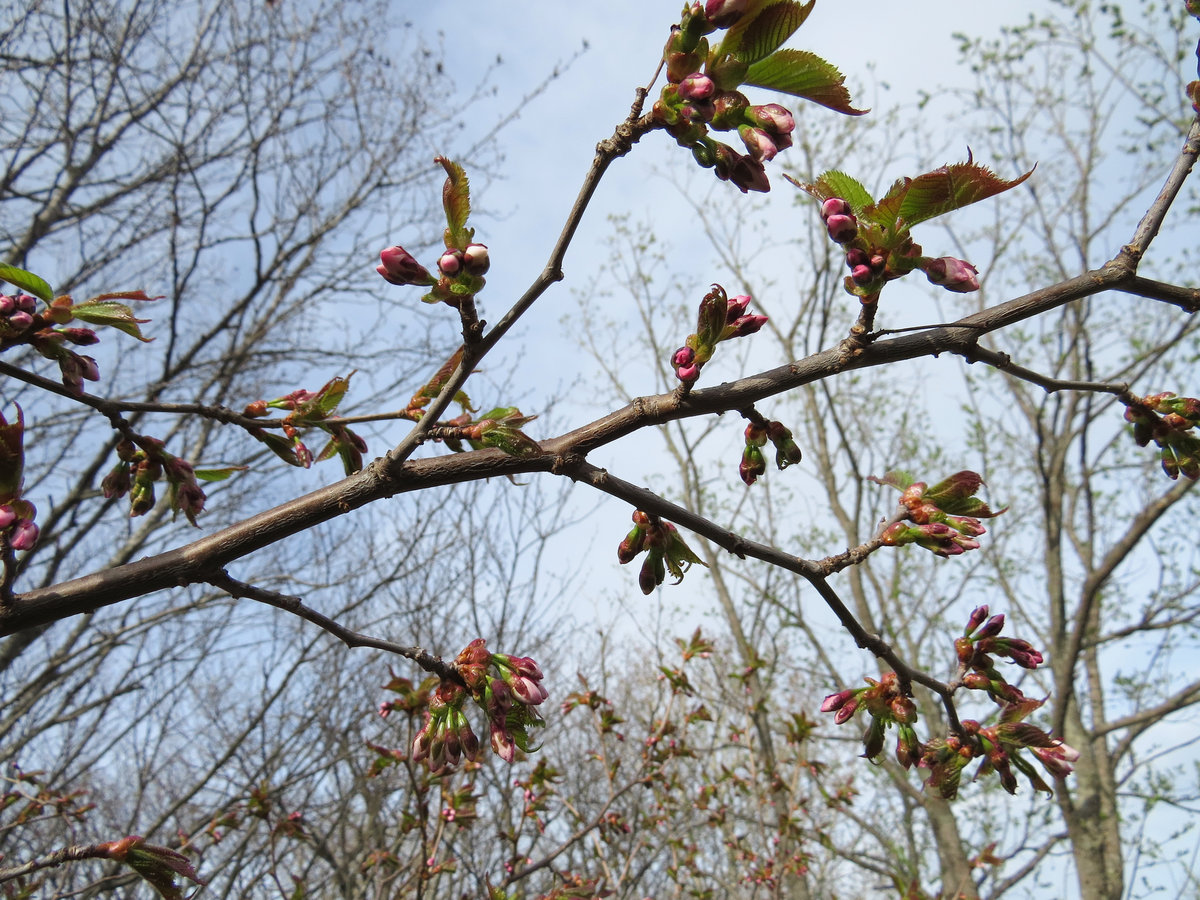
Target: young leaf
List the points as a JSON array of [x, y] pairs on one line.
[[26, 281], [456, 200], [766, 32], [838, 184], [218, 474], [913, 200], [803, 74], [115, 315]]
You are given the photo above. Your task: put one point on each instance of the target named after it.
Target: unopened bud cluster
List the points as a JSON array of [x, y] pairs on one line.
[[701, 95], [141, 466], [310, 409], [997, 747], [753, 463], [886, 705], [720, 319], [943, 519], [873, 262], [460, 272], [21, 323], [17, 526], [1168, 421], [506, 687], [665, 551]]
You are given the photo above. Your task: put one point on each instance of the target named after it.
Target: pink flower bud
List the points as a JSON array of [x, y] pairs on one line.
[[842, 228], [736, 308], [20, 321], [399, 267], [861, 275], [856, 257], [953, 274], [688, 374], [24, 536], [834, 206], [993, 627], [834, 702], [27, 303], [475, 259], [684, 356], [772, 118], [7, 516], [748, 325], [502, 742], [723, 13], [758, 143], [696, 86], [450, 262], [8, 305]]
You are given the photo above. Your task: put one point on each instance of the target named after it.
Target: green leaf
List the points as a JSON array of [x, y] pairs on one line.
[[838, 184], [26, 281], [766, 32], [456, 200], [99, 311], [218, 474], [803, 74], [512, 441]]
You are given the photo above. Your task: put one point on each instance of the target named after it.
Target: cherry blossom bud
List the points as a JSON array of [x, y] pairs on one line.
[[748, 325], [856, 257], [993, 627], [475, 259], [842, 228], [953, 274], [399, 267], [978, 614], [696, 86], [27, 303], [684, 356], [24, 535], [834, 702], [861, 275], [19, 321], [502, 742], [8, 305], [1057, 759], [450, 262], [772, 118], [723, 13], [7, 516], [835, 206], [688, 374], [758, 143]]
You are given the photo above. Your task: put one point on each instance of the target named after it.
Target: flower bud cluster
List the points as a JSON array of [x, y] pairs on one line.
[[507, 688], [141, 466], [460, 272], [875, 257], [998, 746], [701, 95], [720, 319], [17, 526], [943, 519], [446, 736], [20, 323], [886, 705], [16, 314], [1168, 421], [665, 551], [310, 409], [754, 463], [977, 642]]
